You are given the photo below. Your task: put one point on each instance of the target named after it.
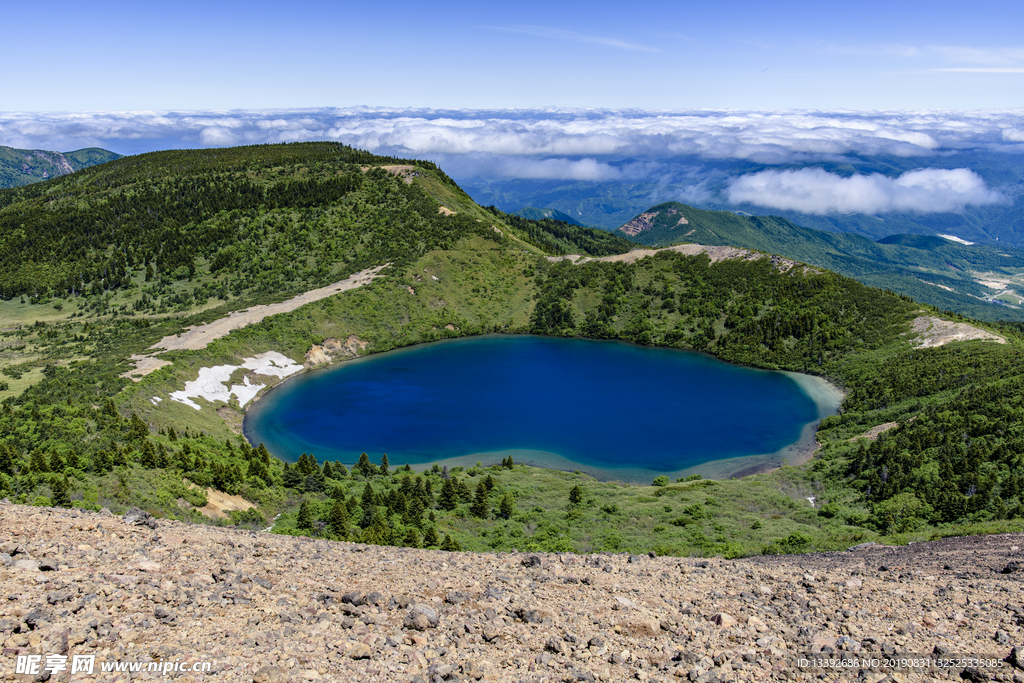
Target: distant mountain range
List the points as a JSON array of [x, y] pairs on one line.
[[982, 281], [535, 214], [609, 202], [25, 166]]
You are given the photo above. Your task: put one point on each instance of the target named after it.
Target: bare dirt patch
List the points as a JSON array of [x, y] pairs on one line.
[[872, 434], [333, 350], [219, 504], [932, 331], [446, 211], [714, 253], [197, 338]]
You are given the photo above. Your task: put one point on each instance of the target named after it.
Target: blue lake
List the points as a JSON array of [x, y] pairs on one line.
[[614, 410]]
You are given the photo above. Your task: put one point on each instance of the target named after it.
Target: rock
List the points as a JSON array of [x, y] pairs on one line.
[[456, 598], [531, 561], [353, 598], [27, 565], [491, 630], [270, 674], [359, 651], [1016, 658], [1012, 568], [48, 564], [973, 675], [722, 619], [624, 603], [137, 517], [861, 546], [420, 617]]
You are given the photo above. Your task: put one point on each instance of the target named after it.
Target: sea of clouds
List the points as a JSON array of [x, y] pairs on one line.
[[632, 146]]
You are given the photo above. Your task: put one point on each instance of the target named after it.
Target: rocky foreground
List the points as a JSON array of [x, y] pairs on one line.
[[265, 608]]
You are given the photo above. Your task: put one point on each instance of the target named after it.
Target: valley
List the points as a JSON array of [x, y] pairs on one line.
[[259, 226]]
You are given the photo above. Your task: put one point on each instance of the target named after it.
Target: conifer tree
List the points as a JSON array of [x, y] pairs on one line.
[[480, 507], [449, 498], [340, 471], [411, 539], [508, 506], [328, 470], [37, 462], [465, 495], [413, 512], [148, 459], [489, 483], [305, 520], [576, 495], [450, 544], [337, 520], [61, 488], [430, 537], [369, 499], [384, 464]]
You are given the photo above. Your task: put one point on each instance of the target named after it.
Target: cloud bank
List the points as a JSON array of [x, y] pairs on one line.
[[818, 192], [760, 136], [685, 154]]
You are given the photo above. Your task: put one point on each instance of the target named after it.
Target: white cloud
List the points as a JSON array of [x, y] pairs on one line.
[[818, 192], [579, 144]]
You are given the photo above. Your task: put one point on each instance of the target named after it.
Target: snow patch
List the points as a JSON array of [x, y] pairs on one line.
[[954, 238], [155, 400], [212, 382]]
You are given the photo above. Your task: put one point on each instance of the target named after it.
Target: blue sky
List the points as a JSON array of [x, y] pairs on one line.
[[73, 56]]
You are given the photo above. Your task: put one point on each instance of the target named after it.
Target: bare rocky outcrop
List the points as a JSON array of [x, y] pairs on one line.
[[261, 607], [332, 351], [931, 331], [644, 221]]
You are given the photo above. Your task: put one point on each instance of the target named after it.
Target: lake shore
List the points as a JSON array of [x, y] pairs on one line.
[[825, 396]]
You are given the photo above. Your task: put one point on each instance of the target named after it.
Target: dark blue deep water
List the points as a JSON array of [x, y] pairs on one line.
[[578, 404]]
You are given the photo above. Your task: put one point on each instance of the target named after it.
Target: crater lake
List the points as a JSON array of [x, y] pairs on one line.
[[611, 409]]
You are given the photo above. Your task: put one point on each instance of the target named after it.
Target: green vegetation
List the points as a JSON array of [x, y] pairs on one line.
[[26, 166], [932, 270], [73, 431]]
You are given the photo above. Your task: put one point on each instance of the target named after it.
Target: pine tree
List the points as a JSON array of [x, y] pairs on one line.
[[369, 499], [411, 539], [384, 464], [148, 459], [430, 537], [510, 464], [305, 520], [489, 483], [328, 470], [414, 513], [449, 499], [340, 471], [465, 495], [337, 520], [508, 506], [450, 544], [365, 467], [480, 507], [61, 488], [576, 495], [37, 462]]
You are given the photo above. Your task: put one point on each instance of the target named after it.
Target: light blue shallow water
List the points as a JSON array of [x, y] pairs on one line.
[[603, 407]]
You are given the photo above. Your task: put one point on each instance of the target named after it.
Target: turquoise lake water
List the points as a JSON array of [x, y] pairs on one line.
[[611, 409]]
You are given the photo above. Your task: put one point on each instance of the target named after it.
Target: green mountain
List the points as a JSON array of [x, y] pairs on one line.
[[533, 213], [120, 283], [982, 281], [25, 166]]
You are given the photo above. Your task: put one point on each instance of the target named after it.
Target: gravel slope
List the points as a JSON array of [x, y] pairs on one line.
[[267, 608]]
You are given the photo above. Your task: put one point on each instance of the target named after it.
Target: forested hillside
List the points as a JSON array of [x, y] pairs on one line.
[[102, 264], [981, 281], [26, 166]]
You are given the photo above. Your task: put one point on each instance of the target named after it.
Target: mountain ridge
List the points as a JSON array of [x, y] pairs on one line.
[[25, 166], [935, 270]]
